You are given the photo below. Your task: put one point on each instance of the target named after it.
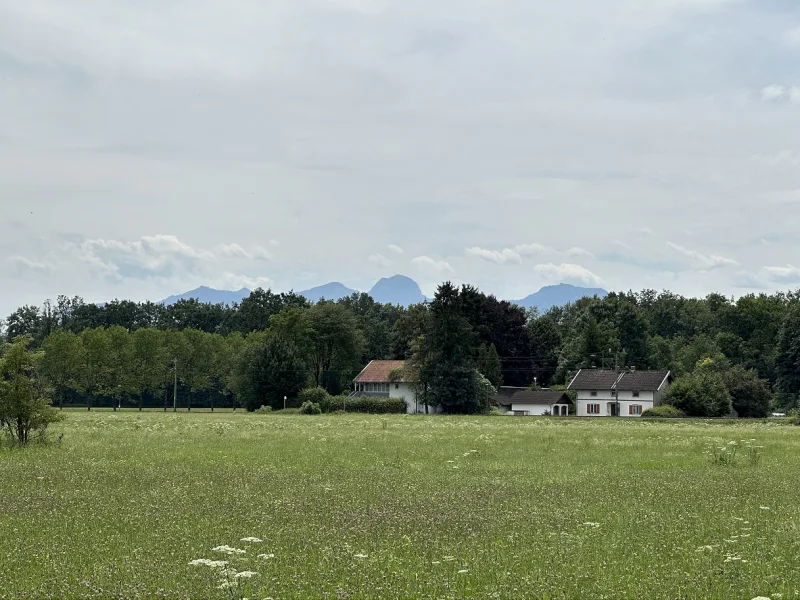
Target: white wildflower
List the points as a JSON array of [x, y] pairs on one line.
[[245, 575], [764, 507], [208, 563], [761, 598], [462, 571], [253, 540], [226, 585], [266, 556], [591, 524], [436, 562], [229, 550], [360, 556], [704, 548], [732, 558]]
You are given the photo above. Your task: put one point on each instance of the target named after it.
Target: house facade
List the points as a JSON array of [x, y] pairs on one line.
[[389, 379], [522, 402], [606, 393]]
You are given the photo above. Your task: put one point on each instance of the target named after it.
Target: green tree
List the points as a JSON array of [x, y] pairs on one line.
[[120, 381], [788, 353], [701, 394], [61, 362], [444, 360], [335, 345], [24, 403], [196, 363], [749, 393], [266, 372], [489, 365], [147, 362], [95, 368]]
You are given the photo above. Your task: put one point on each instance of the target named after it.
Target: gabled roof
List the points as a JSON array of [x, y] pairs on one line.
[[643, 381], [504, 392], [606, 379], [594, 379], [378, 371], [546, 397]]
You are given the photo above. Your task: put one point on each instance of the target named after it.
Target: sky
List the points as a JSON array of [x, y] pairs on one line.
[[147, 148]]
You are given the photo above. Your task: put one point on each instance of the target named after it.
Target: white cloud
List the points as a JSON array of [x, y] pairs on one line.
[[793, 37], [274, 243], [748, 280], [380, 259], [568, 273], [395, 249], [772, 92], [707, 260], [23, 262], [237, 251], [578, 251], [622, 244], [496, 256], [789, 273], [794, 94], [432, 264], [232, 281], [533, 249]]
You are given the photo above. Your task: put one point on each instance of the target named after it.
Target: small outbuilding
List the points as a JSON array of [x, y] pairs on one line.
[[527, 403]]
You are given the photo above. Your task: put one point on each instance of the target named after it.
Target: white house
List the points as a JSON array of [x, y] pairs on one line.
[[389, 379], [606, 393], [522, 402]]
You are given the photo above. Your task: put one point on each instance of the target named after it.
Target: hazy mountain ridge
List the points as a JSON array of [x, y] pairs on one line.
[[398, 289]]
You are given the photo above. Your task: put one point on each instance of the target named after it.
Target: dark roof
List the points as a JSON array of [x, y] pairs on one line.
[[594, 379], [645, 381], [378, 371], [504, 392], [544, 397]]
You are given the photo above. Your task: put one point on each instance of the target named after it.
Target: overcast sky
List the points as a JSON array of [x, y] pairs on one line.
[[150, 147]]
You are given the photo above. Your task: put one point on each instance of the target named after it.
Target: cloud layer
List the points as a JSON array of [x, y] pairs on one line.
[[302, 142]]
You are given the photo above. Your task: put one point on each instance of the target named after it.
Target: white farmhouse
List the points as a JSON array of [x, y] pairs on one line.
[[389, 379], [522, 402], [606, 393]]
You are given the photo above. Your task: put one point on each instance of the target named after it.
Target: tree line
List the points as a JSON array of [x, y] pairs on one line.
[[271, 346]]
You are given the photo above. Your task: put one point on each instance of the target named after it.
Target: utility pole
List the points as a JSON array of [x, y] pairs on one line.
[[175, 388]]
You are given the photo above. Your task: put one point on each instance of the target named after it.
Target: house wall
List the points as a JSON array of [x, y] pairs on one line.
[[406, 392], [604, 409], [531, 409]]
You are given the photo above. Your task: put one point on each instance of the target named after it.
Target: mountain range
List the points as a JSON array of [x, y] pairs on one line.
[[398, 289]]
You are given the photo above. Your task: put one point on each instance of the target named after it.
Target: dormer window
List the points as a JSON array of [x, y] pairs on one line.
[[636, 394], [593, 393]]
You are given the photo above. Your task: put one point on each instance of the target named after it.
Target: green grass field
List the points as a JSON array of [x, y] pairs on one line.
[[387, 507]]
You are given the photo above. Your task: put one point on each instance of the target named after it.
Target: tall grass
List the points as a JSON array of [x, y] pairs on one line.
[[356, 506]]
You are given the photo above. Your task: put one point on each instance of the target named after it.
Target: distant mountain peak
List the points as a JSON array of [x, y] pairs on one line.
[[330, 291], [559, 294], [208, 295], [397, 289]]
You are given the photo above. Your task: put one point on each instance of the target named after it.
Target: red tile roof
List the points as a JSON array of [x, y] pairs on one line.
[[378, 371]]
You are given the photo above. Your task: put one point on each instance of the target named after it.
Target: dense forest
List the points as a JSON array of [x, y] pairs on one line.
[[272, 346]]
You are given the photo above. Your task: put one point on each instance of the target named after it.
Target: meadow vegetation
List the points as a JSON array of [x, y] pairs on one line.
[[150, 505]]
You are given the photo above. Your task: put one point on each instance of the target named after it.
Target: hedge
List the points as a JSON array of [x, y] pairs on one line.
[[364, 404], [665, 411]]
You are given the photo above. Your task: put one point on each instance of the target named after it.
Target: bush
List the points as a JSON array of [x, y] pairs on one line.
[[701, 394], [665, 411], [364, 404], [264, 410], [310, 408], [315, 395]]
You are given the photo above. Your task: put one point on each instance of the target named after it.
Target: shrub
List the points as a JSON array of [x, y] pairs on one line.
[[310, 408], [315, 395], [264, 409], [701, 394], [665, 411], [364, 404]]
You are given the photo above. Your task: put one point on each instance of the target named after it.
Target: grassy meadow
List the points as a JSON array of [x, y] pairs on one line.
[[356, 506]]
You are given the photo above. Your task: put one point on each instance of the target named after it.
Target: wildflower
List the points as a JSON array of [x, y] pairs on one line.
[[265, 556], [704, 548], [245, 575], [208, 563], [229, 550], [462, 571], [732, 558], [590, 524], [448, 558], [360, 556], [764, 507], [761, 598], [226, 585], [436, 562], [254, 540]]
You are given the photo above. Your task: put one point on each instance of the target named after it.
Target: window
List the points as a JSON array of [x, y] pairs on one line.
[[635, 409], [593, 409], [593, 393], [397, 386], [635, 394]]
